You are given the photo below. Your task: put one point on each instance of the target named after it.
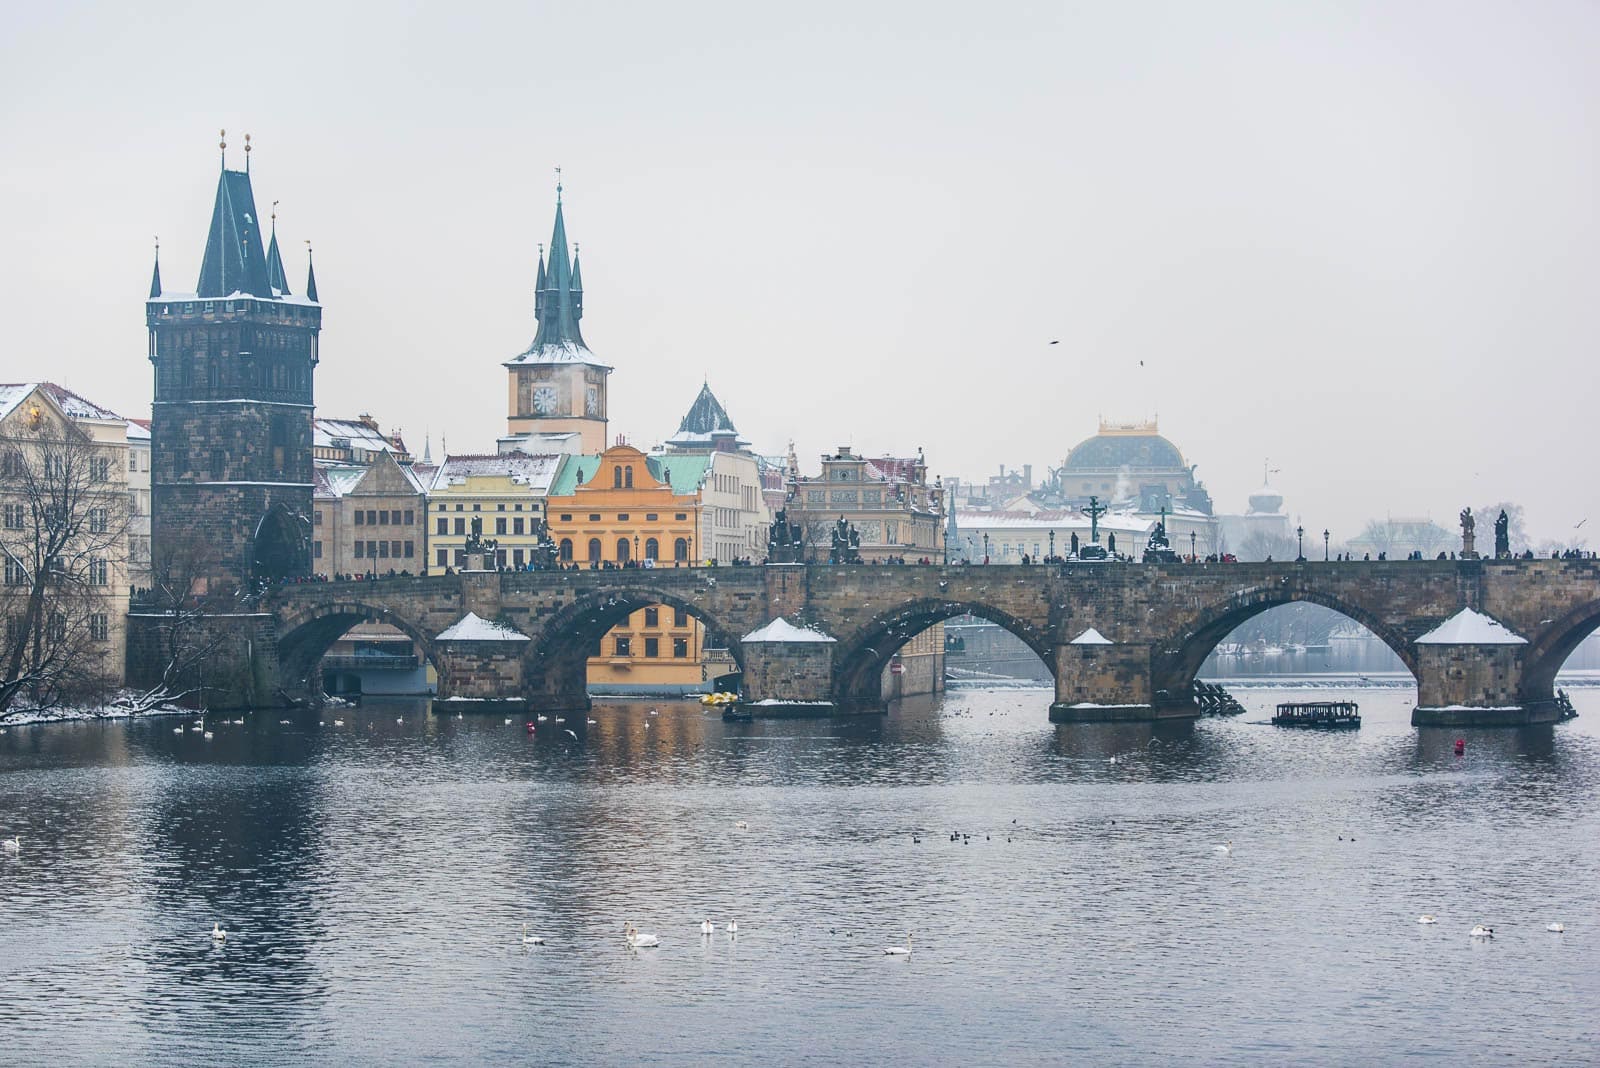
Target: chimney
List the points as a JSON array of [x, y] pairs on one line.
[[1027, 476]]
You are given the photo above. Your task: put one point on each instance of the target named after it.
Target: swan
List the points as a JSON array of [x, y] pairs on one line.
[[238, 722], [1556, 928], [207, 736], [591, 721], [197, 728], [283, 723], [217, 933], [741, 825], [1426, 917], [508, 720], [338, 723], [1480, 931], [1225, 850], [177, 730], [733, 927], [569, 730], [530, 940], [13, 844], [708, 928], [397, 719], [638, 939], [899, 951]]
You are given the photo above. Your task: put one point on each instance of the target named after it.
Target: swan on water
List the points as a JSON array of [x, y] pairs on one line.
[[207, 736], [530, 940], [591, 721], [1555, 928], [637, 938], [338, 723], [1480, 931], [899, 951], [1426, 917], [13, 844], [741, 825], [733, 927], [569, 730], [708, 928], [508, 720], [1224, 849], [217, 933], [177, 730]]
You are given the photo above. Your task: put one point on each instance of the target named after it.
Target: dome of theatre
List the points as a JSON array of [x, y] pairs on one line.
[[1136, 446]]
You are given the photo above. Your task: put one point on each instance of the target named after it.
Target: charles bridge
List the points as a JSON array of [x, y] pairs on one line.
[[1123, 640]]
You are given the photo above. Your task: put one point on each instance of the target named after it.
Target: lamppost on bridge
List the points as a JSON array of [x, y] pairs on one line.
[[986, 546], [1192, 536], [636, 550], [1052, 545], [1324, 545], [1300, 538]]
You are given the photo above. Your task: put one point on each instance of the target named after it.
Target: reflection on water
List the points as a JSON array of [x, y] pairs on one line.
[[374, 878]]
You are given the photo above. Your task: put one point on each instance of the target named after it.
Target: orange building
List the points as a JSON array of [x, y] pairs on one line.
[[625, 509]]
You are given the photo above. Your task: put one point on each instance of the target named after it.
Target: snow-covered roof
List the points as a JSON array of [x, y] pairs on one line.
[[1091, 637], [169, 297], [556, 352], [781, 630], [534, 472], [474, 628], [1468, 627], [12, 394], [355, 433], [1059, 521], [138, 430]]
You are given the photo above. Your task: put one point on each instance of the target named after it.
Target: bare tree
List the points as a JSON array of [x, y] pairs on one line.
[[182, 612], [1261, 545], [63, 541]]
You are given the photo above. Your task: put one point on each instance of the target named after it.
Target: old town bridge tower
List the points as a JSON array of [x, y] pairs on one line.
[[232, 420]]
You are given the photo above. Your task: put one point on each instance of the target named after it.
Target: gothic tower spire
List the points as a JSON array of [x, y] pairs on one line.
[[275, 276]]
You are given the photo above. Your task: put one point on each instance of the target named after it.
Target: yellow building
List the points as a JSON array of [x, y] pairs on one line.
[[623, 508], [505, 490]]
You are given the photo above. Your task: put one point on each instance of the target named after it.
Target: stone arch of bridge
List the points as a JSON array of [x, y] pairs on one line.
[[558, 660], [306, 634], [859, 658], [1177, 658], [1552, 646]]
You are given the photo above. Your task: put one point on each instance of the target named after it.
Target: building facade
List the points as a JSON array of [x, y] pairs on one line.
[[64, 522], [369, 520], [231, 433], [888, 500], [624, 508], [505, 492]]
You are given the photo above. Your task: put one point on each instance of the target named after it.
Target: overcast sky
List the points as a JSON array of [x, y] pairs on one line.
[[1359, 239]]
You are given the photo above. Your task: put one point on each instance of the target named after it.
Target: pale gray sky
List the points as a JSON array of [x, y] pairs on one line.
[[1358, 238]]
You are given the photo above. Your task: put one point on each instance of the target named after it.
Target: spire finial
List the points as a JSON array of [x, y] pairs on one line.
[[247, 153], [274, 216], [558, 185], [222, 143]]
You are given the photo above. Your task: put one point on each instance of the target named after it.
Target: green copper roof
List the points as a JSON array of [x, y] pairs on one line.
[[236, 257], [683, 473], [275, 276]]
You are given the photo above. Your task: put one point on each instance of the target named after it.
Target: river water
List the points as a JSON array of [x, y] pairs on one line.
[[374, 878]]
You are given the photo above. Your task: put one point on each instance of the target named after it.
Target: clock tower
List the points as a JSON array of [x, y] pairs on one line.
[[557, 385]]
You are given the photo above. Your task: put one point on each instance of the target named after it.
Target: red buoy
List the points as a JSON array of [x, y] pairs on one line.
[[1461, 746], [531, 727]]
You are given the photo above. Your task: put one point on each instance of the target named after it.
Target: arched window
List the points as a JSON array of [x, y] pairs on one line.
[[566, 550], [680, 550], [594, 550], [616, 478], [622, 550], [652, 549], [627, 477]]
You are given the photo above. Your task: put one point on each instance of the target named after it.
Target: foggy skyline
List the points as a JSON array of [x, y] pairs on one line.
[[1360, 240]]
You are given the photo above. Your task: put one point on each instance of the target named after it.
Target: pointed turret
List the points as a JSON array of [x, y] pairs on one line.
[[707, 426], [275, 276], [538, 287], [235, 259], [557, 308], [155, 275], [311, 278], [577, 285]]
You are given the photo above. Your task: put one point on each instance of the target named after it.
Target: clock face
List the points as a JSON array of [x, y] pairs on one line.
[[591, 401], [544, 400]]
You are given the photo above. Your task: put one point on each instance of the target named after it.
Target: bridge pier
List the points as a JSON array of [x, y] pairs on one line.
[[1099, 681], [788, 671], [480, 667], [1476, 686]]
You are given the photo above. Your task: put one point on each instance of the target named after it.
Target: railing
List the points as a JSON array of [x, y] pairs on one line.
[[380, 662]]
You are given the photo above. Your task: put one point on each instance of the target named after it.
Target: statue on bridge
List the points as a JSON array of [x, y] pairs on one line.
[[1157, 550], [846, 544], [1469, 525], [1502, 536], [785, 540], [1094, 510], [478, 545]]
